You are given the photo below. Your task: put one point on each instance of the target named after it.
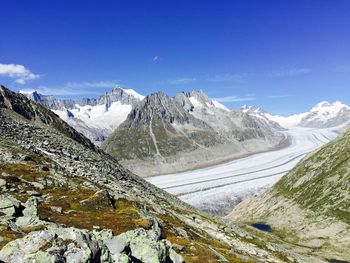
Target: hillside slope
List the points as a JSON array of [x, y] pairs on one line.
[[63, 200], [163, 134], [310, 205]]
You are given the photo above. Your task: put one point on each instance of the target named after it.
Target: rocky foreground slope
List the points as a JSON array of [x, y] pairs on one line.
[[163, 134], [63, 200], [309, 206]]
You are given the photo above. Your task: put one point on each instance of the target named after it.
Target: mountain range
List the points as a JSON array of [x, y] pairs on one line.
[[165, 134], [65, 200], [95, 118]]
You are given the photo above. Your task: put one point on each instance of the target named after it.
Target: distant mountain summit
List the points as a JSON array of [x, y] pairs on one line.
[[171, 134], [263, 115], [95, 118], [322, 115], [326, 114]]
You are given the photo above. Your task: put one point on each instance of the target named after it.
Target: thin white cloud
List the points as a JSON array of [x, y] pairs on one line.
[[60, 91], [97, 84], [75, 88], [241, 77], [18, 72], [156, 58], [234, 99], [181, 81], [288, 72], [280, 96], [178, 81], [228, 77], [341, 69]]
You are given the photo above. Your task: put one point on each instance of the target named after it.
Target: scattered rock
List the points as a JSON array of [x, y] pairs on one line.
[[3, 184], [143, 247], [9, 205], [101, 200], [56, 209], [175, 258], [38, 185], [116, 244]]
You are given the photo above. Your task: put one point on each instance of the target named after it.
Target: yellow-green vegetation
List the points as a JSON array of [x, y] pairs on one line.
[[122, 218], [26, 171], [321, 182], [8, 235]]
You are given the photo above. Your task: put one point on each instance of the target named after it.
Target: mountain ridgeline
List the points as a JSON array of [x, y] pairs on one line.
[[95, 118]]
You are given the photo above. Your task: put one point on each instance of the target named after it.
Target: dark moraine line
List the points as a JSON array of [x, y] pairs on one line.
[[237, 182], [236, 175]]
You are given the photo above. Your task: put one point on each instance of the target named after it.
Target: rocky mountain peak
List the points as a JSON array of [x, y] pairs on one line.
[[118, 94], [158, 106]]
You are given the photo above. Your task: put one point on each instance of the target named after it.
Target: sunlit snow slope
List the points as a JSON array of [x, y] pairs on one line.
[[217, 189]]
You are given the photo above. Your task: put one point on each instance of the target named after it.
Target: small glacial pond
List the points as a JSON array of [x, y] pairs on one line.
[[262, 227]]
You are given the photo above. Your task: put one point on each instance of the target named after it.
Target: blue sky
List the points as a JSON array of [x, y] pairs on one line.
[[284, 56]]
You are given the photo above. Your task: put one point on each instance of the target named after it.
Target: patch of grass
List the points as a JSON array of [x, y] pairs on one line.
[[196, 246], [120, 219], [27, 171]]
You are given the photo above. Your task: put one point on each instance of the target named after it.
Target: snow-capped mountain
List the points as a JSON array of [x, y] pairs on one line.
[[166, 134], [95, 118], [323, 115], [263, 115]]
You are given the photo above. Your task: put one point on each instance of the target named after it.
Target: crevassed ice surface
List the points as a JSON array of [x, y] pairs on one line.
[[222, 186]]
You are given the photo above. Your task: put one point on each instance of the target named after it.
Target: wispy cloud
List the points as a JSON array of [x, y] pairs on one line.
[[287, 73], [241, 77], [156, 58], [18, 72], [228, 77], [75, 88], [234, 99], [280, 96], [97, 84], [181, 81], [178, 81], [60, 91], [341, 69]]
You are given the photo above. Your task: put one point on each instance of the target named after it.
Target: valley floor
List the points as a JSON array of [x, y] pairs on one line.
[[217, 189]]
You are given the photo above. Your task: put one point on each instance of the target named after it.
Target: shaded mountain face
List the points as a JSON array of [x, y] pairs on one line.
[[184, 131], [95, 118], [310, 205], [19, 106], [62, 200]]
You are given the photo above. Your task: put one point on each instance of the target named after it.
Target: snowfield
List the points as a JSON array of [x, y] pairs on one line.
[[219, 188]]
